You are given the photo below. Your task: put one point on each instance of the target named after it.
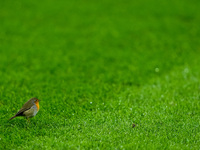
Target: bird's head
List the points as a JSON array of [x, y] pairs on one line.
[[36, 101]]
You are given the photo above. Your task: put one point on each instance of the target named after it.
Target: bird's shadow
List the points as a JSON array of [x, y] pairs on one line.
[[22, 123], [19, 123]]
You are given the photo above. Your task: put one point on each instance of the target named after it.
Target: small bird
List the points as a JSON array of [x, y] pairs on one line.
[[29, 109]]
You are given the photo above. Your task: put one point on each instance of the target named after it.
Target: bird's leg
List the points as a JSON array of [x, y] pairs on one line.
[[28, 120], [27, 123]]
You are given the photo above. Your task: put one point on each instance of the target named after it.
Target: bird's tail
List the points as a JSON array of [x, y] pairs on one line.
[[12, 117]]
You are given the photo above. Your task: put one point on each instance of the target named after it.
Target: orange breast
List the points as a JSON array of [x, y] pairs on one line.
[[37, 104]]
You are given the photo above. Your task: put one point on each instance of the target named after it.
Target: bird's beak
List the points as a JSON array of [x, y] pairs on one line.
[[39, 100]]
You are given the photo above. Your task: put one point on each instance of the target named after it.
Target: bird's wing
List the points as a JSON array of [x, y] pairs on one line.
[[20, 112], [24, 108]]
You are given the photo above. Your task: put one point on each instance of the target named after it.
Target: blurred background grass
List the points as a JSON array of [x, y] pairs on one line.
[[71, 53]]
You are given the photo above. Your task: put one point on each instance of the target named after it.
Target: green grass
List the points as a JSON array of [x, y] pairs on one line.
[[99, 67]]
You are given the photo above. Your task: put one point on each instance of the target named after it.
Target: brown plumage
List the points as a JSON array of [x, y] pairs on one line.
[[29, 109]]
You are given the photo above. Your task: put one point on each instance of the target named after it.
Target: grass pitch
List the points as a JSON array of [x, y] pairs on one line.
[[98, 68]]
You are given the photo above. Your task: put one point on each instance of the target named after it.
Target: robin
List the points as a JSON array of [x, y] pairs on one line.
[[29, 109]]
